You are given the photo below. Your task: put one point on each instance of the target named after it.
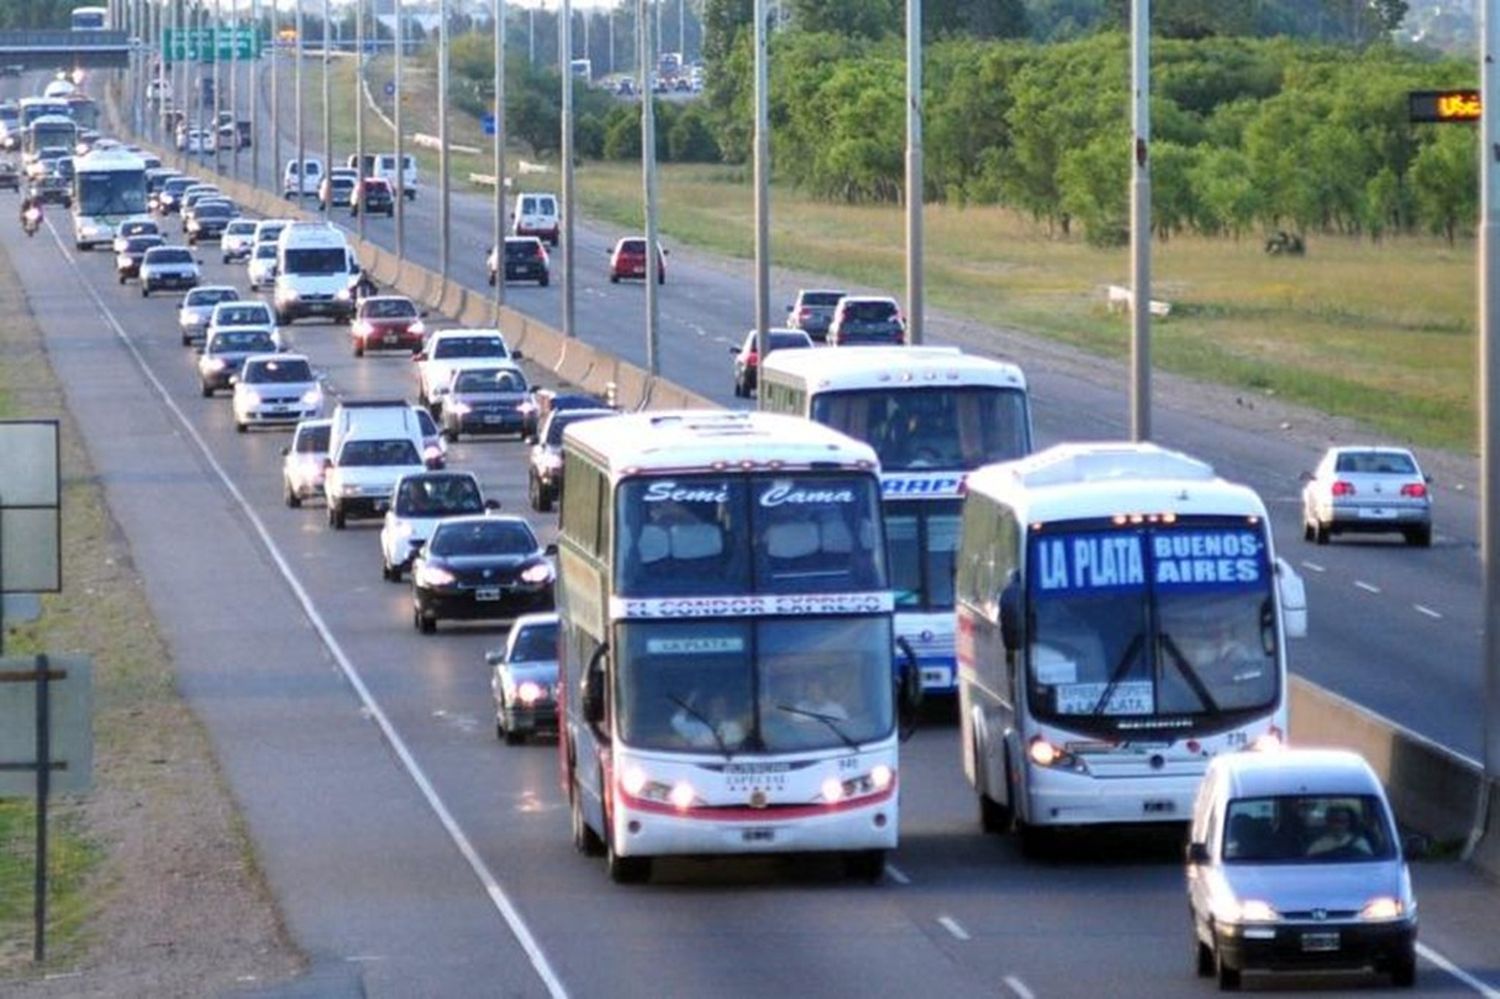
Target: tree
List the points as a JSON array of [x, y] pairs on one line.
[[974, 18], [1445, 179], [690, 140], [1093, 182], [21, 14], [857, 18]]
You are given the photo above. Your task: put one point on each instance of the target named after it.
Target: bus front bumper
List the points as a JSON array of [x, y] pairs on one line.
[[1070, 799], [652, 832]]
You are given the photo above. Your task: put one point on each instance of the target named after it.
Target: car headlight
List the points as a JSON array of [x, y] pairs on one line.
[[1250, 910], [250, 395], [312, 397], [215, 364], [461, 408], [550, 460], [403, 529], [529, 692], [1382, 907], [526, 407], [435, 575], [344, 294], [285, 293], [536, 574]]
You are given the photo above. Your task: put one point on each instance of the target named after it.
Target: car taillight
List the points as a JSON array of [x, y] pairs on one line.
[[804, 313], [751, 359], [1414, 489], [1342, 488]]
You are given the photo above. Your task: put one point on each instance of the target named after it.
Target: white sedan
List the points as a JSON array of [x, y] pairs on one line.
[[1367, 490]]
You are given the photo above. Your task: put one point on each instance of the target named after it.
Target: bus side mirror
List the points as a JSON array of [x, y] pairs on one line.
[[908, 690], [1197, 853], [593, 687], [1293, 593], [1010, 616]]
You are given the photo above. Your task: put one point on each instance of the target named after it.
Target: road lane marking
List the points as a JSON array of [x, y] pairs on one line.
[[1367, 587], [1019, 987], [487, 879], [1442, 962], [1315, 567], [1428, 611], [951, 925], [896, 874]]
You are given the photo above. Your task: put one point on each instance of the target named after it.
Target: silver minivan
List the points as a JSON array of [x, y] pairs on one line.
[[1294, 864]]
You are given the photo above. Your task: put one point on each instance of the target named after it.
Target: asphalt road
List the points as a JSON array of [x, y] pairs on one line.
[[1391, 628]]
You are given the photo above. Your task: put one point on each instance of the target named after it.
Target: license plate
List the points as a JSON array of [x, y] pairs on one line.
[[1378, 513], [1318, 942], [390, 338], [380, 505], [758, 835], [279, 409], [487, 593], [493, 418], [934, 678], [1160, 807]]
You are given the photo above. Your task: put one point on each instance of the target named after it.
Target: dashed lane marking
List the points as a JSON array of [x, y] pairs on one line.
[[1313, 566], [951, 925], [1428, 611], [1019, 987], [1367, 587], [896, 874]]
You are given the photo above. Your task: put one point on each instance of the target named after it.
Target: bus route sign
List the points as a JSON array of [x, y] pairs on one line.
[[1443, 106]]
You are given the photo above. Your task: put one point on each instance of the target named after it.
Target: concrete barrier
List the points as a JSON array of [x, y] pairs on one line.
[[1486, 853], [576, 361], [388, 265], [630, 386], [479, 310], [452, 297]]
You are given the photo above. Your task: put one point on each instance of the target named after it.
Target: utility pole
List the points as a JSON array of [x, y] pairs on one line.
[[762, 170], [648, 183], [565, 60], [323, 206], [361, 171], [1489, 402], [275, 93], [216, 36], [400, 139], [297, 87], [443, 155], [234, 86], [915, 308], [254, 89], [1140, 221], [500, 135]]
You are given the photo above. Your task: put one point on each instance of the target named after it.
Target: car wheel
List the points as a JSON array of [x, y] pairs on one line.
[[224, 259], [145, 291], [1420, 537], [359, 348], [293, 500], [208, 391], [614, 279], [661, 279], [1203, 957], [187, 341], [514, 738], [452, 434], [543, 282], [1321, 534], [426, 625], [337, 519], [865, 865], [624, 870], [492, 279], [1229, 978], [122, 278], [1404, 970], [240, 427], [585, 840]]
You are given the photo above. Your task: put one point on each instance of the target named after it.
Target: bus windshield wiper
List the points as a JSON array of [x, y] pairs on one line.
[[1118, 674], [700, 716], [1189, 674], [829, 720]]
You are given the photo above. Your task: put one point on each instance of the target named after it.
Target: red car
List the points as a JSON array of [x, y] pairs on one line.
[[628, 260], [385, 322]]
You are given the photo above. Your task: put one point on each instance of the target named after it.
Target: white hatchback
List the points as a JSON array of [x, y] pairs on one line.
[[276, 389]]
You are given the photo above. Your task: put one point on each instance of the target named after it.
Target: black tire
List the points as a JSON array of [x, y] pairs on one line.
[[865, 865], [208, 392], [585, 840], [614, 279], [993, 816], [1404, 970], [145, 291], [1203, 957], [661, 279], [492, 279], [337, 519], [426, 625], [1229, 978], [239, 427], [543, 282], [122, 277], [1035, 844], [391, 214], [1321, 534], [624, 870], [292, 499], [1420, 537], [359, 348], [514, 738], [187, 341], [452, 435]]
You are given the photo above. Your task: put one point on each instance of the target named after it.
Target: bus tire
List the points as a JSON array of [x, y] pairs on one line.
[[622, 870], [585, 840], [1035, 843], [994, 818], [865, 865]]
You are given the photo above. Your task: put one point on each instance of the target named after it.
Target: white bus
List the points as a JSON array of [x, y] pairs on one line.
[[109, 186], [1122, 619], [90, 18], [49, 131], [932, 414], [726, 642]]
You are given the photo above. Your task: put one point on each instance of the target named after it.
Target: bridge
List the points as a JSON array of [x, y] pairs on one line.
[[52, 48]]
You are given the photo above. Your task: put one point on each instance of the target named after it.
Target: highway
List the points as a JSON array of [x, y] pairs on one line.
[[414, 854]]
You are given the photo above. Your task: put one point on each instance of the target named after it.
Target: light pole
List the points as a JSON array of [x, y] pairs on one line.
[[250, 82], [914, 305], [443, 154], [360, 170], [762, 172], [499, 234], [234, 86], [400, 140], [1489, 404], [275, 90], [300, 123], [565, 65], [648, 184], [1140, 221], [215, 37], [324, 206]]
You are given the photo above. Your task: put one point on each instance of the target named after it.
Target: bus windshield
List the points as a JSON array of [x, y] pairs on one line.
[[922, 538], [803, 532], [115, 193], [931, 428], [768, 685], [1150, 621]]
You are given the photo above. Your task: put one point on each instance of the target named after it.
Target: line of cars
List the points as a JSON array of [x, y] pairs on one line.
[[821, 316]]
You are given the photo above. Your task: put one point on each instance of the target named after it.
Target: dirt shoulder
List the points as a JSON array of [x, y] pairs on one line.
[[173, 903]]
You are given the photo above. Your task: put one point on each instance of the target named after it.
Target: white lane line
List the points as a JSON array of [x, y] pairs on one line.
[[1315, 567], [487, 879], [951, 925], [1019, 987], [1428, 611], [1367, 587], [896, 874], [1432, 956]]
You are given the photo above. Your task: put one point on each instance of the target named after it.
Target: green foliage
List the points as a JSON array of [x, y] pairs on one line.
[[690, 140], [855, 18], [21, 14], [1445, 179]]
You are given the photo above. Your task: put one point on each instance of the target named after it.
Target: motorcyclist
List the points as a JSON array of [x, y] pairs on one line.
[[31, 213]]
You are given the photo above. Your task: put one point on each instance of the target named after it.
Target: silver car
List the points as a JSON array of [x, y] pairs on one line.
[[238, 240], [524, 681], [1294, 864], [261, 268], [168, 267], [275, 389], [1368, 490], [197, 308], [303, 460]]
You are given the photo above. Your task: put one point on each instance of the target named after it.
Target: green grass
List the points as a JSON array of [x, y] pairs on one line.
[[1380, 333], [71, 859]]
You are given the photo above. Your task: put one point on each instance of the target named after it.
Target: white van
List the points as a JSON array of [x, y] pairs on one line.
[[310, 178], [375, 417], [383, 165], [536, 215], [315, 273]]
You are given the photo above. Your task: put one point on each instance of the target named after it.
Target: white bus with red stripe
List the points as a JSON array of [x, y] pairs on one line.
[[1122, 619], [933, 414], [726, 642]]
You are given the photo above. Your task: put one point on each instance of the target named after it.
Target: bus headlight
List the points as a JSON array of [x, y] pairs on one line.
[[683, 795], [879, 779], [833, 790], [1047, 754], [1269, 741]]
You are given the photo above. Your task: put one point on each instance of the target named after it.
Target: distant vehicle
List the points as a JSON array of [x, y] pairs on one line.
[[536, 215], [1367, 490], [128, 257], [224, 352], [373, 196], [260, 269], [582, 68], [486, 397], [747, 355], [143, 226], [365, 466], [275, 389], [168, 267], [447, 349], [304, 183], [1293, 863], [169, 201], [10, 177], [197, 308], [315, 274], [524, 681], [243, 314], [302, 462], [387, 322], [480, 567], [628, 260], [337, 189], [237, 240], [418, 502], [383, 165], [525, 260], [813, 311], [866, 320], [209, 220], [544, 477], [1128, 591], [89, 18]]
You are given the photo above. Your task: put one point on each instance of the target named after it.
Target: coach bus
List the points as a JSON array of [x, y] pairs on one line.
[[726, 642], [1122, 618], [90, 18], [932, 414], [109, 186]]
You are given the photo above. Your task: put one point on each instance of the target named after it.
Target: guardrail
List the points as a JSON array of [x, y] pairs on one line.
[[433, 142], [1436, 792]]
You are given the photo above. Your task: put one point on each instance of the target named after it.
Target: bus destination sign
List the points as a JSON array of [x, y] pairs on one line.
[[1443, 106]]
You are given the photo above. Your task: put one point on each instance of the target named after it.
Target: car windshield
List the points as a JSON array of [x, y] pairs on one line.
[[119, 192], [214, 211], [240, 227], [469, 346], [1307, 829], [866, 312], [778, 341], [714, 534], [294, 370], [388, 308], [265, 251], [1376, 463], [210, 296], [483, 537], [136, 228], [633, 246], [169, 255], [766, 685], [522, 250], [562, 421], [438, 496], [313, 440], [243, 315], [140, 244], [535, 643], [376, 452], [922, 539], [241, 342], [176, 185], [932, 428], [821, 298], [487, 380]]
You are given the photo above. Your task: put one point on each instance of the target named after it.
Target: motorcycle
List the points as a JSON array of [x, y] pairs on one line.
[[31, 221]]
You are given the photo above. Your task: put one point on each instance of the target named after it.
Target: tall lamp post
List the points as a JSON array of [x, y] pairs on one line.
[[648, 185], [565, 66], [499, 233]]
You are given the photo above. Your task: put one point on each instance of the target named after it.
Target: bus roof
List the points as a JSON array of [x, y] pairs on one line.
[[108, 161], [708, 440], [888, 367], [1106, 479]]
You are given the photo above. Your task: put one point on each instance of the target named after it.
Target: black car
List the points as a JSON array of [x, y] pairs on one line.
[[128, 260], [493, 399], [480, 567], [10, 177], [169, 199], [208, 221], [747, 356], [525, 260], [374, 197], [52, 190]]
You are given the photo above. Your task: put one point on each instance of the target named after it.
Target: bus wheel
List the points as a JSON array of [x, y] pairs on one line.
[[585, 840], [865, 865], [1035, 842], [624, 870], [993, 816]]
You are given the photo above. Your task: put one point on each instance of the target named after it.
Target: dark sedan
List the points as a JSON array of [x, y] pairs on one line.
[[373, 196], [209, 221], [524, 682], [487, 399], [480, 567], [525, 260], [128, 260]]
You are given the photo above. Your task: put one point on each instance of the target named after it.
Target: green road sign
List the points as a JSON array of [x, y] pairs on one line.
[[199, 45]]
